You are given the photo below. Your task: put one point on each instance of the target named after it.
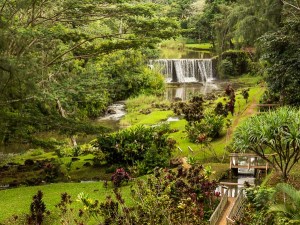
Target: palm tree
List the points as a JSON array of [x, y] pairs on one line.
[[290, 207]]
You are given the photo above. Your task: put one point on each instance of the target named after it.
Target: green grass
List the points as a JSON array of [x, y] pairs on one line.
[[202, 46], [135, 106], [17, 201]]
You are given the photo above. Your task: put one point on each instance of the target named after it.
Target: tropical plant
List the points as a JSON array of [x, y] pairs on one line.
[[210, 127], [257, 204], [275, 132], [68, 214], [287, 209], [149, 145], [167, 197], [119, 177], [245, 93], [37, 209], [191, 110]]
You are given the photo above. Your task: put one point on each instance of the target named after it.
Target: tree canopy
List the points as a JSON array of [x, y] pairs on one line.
[[280, 50], [62, 54], [273, 132]]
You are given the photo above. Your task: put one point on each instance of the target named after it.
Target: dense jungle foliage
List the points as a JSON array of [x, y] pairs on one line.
[[62, 62]]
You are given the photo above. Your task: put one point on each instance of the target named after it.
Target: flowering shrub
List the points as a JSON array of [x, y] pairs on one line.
[[176, 197]]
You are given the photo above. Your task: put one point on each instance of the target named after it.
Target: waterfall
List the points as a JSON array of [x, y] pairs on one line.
[[184, 70]]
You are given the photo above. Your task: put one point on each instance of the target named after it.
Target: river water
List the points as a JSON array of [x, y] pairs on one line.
[[184, 90]]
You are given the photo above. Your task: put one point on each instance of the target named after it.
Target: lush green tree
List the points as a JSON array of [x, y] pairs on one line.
[[249, 20], [235, 24], [273, 132], [52, 55], [280, 51]]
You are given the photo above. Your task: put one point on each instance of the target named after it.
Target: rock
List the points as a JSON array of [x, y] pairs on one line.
[[177, 99], [111, 111]]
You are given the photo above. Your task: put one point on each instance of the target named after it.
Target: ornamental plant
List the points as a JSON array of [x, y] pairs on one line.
[[119, 177], [37, 209], [209, 127]]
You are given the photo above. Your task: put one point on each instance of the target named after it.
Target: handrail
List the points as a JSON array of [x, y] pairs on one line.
[[237, 209], [219, 210]]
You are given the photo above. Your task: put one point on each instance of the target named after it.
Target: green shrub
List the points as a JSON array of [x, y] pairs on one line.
[[192, 110], [234, 63], [99, 158], [209, 127], [139, 144], [68, 151], [226, 68]]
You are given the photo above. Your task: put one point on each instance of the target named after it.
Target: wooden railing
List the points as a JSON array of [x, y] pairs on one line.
[[269, 106], [237, 209], [219, 210]]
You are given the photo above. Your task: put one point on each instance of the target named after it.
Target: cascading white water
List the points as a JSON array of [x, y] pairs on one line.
[[184, 70]]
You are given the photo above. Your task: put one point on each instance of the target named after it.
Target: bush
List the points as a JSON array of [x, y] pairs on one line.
[[192, 110], [37, 209], [130, 146], [226, 68], [209, 127], [36, 152], [119, 177], [167, 197], [234, 63]]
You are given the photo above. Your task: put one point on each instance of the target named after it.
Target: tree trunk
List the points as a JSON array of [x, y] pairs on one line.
[[62, 112]]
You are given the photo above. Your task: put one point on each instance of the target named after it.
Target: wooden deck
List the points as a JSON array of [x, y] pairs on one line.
[[248, 161]]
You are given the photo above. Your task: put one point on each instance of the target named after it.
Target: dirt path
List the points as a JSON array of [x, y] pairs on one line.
[[249, 111]]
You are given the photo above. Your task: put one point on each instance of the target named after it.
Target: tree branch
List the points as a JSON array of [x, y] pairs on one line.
[[79, 44], [3, 6], [17, 100], [293, 6]]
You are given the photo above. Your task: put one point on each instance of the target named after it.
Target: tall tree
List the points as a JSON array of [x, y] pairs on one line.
[[50, 53], [249, 20], [280, 51]]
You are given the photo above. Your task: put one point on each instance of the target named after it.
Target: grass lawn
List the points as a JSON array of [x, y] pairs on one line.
[[202, 46], [17, 201]]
